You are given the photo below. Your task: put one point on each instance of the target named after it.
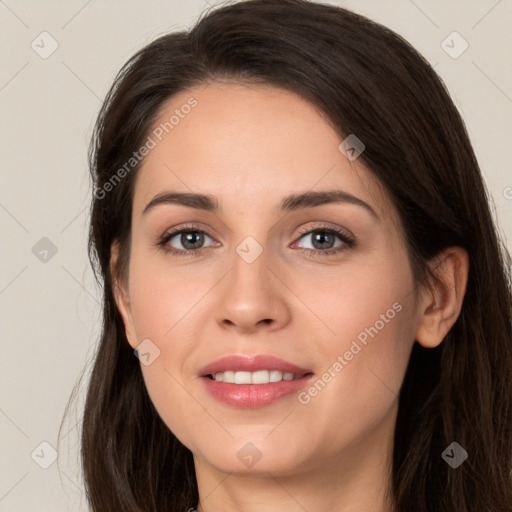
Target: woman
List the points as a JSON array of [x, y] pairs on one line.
[[242, 364]]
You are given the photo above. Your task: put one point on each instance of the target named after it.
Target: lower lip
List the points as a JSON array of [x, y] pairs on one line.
[[253, 396]]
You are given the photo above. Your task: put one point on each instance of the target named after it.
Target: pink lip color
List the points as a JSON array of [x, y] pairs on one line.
[[252, 396], [251, 364]]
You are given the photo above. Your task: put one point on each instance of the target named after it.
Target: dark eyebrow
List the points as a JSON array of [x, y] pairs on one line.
[[199, 201], [310, 199], [290, 203]]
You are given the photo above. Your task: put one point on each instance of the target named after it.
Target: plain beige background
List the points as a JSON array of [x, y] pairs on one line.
[[49, 303]]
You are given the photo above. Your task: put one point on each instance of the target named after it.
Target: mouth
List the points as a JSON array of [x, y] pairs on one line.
[[259, 377], [259, 392], [251, 382]]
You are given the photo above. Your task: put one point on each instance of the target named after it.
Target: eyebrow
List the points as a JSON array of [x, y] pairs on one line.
[[290, 203]]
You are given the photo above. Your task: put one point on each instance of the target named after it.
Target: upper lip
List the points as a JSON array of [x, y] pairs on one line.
[[251, 364]]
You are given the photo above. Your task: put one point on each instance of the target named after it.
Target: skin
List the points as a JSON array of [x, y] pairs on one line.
[[249, 146]]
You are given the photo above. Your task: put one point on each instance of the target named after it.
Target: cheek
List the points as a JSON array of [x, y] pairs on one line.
[[367, 302], [162, 296], [162, 312], [367, 315], [365, 350]]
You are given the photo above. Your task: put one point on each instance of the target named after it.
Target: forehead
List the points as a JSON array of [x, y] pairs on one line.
[[247, 144]]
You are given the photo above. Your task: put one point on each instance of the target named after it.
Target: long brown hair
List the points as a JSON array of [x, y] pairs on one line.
[[369, 81]]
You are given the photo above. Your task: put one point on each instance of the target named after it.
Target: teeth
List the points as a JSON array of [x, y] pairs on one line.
[[258, 377], [275, 376]]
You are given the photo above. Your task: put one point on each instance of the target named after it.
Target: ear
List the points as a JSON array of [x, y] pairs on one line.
[[121, 296], [440, 307]]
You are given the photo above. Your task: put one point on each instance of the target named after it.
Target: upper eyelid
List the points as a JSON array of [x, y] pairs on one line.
[[327, 227]]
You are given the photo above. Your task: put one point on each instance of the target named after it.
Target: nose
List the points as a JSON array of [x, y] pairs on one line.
[[252, 297]]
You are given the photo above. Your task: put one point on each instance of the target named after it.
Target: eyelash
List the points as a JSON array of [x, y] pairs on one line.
[[344, 237]]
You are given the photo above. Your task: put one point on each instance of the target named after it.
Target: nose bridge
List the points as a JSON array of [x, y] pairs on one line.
[[250, 294], [250, 264]]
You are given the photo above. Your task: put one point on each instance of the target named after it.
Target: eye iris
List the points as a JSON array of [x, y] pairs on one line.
[[189, 237], [322, 237]]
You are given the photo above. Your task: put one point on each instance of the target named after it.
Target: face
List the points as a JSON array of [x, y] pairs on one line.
[[316, 286]]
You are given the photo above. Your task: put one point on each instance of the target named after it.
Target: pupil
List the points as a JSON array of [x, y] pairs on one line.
[[189, 237]]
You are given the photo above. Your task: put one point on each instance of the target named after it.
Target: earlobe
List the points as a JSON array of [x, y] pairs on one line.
[[440, 306], [121, 297]]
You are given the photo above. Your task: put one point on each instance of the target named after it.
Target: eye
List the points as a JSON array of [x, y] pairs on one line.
[[190, 238], [323, 240]]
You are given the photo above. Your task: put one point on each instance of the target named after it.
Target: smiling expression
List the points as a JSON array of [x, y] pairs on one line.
[[254, 235]]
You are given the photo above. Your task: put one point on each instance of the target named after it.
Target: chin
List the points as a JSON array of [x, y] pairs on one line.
[[245, 457]]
